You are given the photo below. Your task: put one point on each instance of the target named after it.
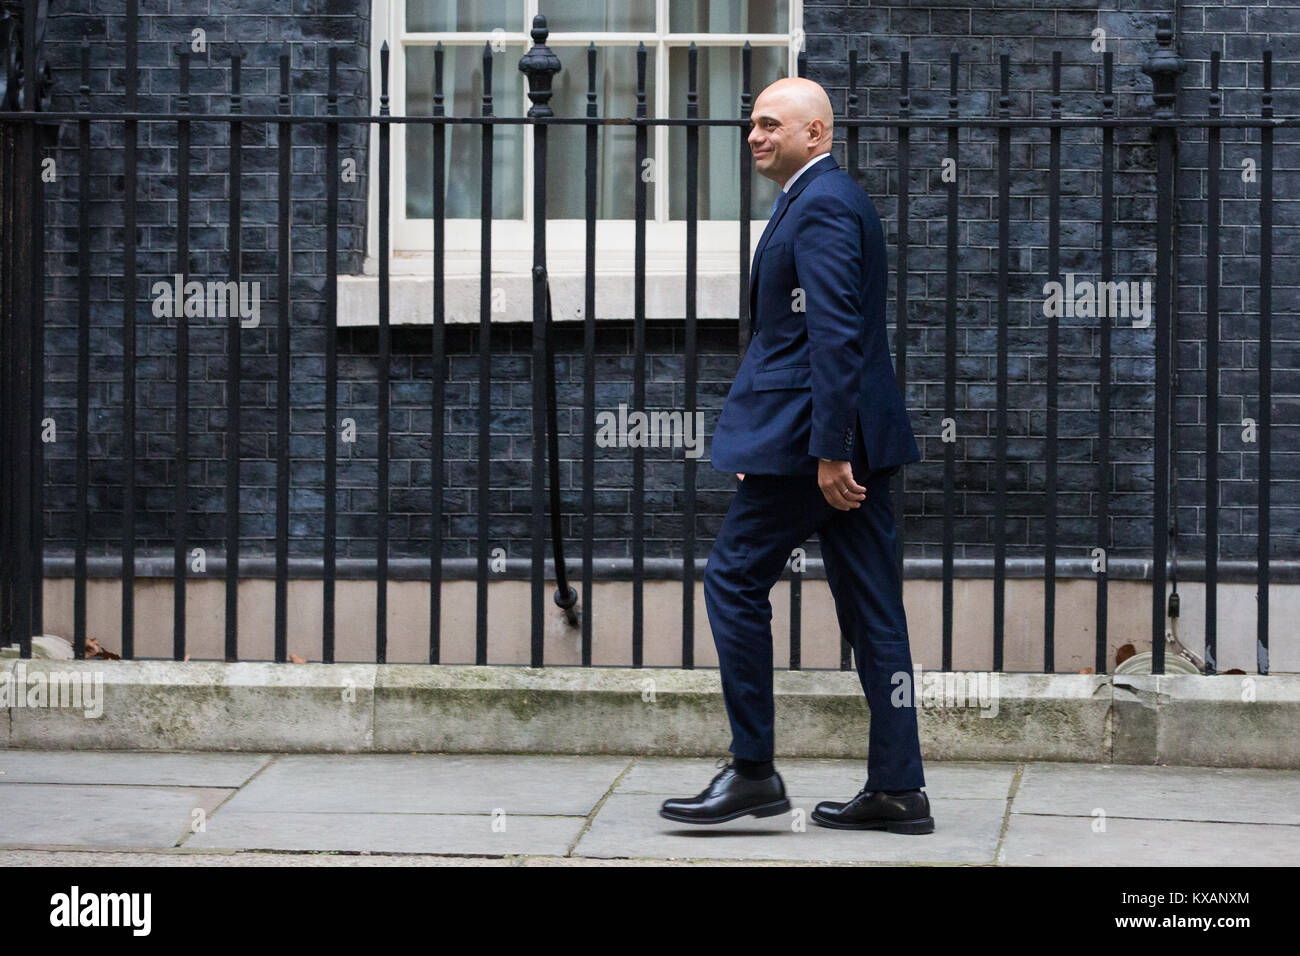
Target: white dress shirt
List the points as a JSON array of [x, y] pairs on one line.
[[790, 182]]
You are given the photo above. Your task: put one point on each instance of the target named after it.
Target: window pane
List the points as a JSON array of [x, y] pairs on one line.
[[729, 16], [576, 16], [436, 16], [720, 156], [463, 96], [566, 184]]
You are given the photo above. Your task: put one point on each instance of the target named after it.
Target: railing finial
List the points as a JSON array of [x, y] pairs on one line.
[[539, 64], [1163, 66]]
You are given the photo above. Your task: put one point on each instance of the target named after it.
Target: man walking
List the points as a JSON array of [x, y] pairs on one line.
[[814, 427]]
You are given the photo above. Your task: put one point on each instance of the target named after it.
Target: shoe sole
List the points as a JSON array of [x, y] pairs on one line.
[[764, 810], [919, 826]]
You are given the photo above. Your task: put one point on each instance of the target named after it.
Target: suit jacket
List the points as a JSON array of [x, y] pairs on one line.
[[818, 362]]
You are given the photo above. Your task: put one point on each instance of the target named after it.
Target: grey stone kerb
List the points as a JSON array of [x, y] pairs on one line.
[[1223, 721]]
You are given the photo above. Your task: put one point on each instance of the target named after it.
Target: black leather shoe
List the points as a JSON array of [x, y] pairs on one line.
[[728, 796], [877, 810]]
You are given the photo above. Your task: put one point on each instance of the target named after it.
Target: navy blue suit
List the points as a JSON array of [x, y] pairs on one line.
[[816, 381], [819, 357]]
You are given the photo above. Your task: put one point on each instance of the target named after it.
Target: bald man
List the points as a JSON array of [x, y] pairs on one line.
[[814, 427]]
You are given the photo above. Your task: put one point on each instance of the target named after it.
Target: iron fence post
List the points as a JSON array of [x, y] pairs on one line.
[[1163, 66], [539, 65]]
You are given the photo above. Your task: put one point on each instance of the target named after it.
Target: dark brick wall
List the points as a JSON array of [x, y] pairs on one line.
[[980, 32], [879, 30], [261, 30], [1241, 32]]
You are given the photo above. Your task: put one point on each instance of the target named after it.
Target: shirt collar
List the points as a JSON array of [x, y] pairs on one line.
[[790, 181]]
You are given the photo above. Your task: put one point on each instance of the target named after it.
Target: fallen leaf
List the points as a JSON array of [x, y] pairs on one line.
[[94, 650], [295, 659]]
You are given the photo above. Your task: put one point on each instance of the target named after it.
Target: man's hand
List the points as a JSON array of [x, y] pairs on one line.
[[835, 478], [740, 476]]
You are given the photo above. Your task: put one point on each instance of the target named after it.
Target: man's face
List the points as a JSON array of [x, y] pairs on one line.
[[777, 138]]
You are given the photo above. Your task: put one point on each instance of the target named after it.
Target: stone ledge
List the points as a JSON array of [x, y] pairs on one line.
[[1228, 721], [1241, 720]]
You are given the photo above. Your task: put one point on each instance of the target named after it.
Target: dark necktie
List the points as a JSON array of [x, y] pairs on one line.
[[777, 205], [780, 199]]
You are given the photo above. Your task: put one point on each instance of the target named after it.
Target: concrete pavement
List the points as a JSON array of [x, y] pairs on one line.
[[114, 807]]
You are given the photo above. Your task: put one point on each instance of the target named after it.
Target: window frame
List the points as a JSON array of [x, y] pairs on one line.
[[411, 240]]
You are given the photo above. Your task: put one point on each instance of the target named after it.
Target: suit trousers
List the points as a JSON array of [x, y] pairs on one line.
[[769, 516]]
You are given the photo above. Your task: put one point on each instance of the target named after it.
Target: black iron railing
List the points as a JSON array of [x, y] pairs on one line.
[[23, 330]]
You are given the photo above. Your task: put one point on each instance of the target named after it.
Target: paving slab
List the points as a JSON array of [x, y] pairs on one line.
[[584, 861], [1161, 793], [430, 783], [820, 779], [91, 815], [629, 825], [103, 808], [1071, 841], [256, 858], [146, 769], [111, 858], [481, 835]]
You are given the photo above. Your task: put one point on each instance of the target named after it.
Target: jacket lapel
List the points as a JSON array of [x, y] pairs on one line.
[[823, 166]]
